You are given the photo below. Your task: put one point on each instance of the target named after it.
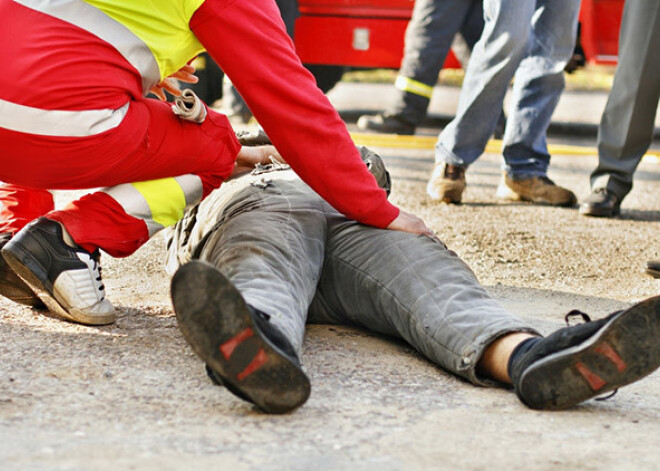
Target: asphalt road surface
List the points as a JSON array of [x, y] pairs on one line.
[[133, 395]]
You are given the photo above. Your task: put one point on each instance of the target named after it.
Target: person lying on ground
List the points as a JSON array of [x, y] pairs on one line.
[[264, 255]]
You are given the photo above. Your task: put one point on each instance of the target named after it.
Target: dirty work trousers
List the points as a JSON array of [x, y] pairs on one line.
[[429, 36], [295, 258]]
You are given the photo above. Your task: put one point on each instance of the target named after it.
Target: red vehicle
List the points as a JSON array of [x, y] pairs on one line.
[[333, 35]]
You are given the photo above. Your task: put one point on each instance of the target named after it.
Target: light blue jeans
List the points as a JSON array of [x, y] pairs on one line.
[[533, 41]]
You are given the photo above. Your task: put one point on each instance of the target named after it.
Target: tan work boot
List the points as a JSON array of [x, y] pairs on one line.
[[447, 183], [535, 189]]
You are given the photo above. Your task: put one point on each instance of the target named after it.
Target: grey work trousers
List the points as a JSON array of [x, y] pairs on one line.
[[627, 125], [429, 36], [295, 258]]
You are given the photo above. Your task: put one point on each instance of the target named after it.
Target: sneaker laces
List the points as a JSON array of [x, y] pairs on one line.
[[96, 258], [586, 318]]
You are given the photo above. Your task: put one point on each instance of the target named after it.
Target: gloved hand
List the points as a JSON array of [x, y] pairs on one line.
[[189, 107]]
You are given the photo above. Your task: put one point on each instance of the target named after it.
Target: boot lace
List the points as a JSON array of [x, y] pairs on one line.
[[96, 258]]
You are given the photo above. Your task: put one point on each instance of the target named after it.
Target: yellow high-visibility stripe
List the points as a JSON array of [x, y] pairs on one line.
[[494, 146], [413, 86], [153, 35], [159, 203], [163, 25], [165, 198]]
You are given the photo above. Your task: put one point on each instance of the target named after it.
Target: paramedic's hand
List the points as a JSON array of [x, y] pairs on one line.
[[184, 74], [249, 157], [408, 222]]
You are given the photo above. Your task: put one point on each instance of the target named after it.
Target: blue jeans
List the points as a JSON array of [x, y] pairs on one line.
[[533, 41]]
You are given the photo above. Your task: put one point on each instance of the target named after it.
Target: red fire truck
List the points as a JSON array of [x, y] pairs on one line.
[[334, 35]]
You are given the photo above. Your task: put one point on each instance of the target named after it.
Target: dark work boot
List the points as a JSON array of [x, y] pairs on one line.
[[241, 348], [587, 360], [653, 268], [385, 123], [12, 286], [601, 203]]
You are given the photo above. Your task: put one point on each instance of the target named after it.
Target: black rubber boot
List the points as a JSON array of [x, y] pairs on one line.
[[587, 360], [243, 350]]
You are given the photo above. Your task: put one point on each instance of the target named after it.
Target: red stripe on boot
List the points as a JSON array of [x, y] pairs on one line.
[[608, 352], [256, 363], [595, 381], [229, 346]]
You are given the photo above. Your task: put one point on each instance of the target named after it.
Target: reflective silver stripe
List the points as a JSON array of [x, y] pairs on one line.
[[91, 19], [59, 122], [192, 188]]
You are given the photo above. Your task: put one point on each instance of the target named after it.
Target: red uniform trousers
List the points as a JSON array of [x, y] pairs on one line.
[[150, 143]]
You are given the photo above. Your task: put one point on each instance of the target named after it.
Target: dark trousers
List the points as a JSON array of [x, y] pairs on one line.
[[627, 126]]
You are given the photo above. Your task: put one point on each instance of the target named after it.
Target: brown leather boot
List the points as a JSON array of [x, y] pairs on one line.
[[447, 183], [536, 189]]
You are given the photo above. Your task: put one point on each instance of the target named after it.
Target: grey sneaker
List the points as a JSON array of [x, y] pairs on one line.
[[447, 183], [67, 280], [536, 189], [242, 350], [584, 361]]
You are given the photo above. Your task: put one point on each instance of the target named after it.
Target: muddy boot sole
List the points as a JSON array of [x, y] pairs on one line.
[[623, 351], [216, 322]]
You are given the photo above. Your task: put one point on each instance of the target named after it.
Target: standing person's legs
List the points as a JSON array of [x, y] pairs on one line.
[[627, 124], [495, 58], [245, 313], [429, 36], [537, 87]]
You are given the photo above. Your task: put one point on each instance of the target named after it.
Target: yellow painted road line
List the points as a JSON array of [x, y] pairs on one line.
[[494, 146]]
